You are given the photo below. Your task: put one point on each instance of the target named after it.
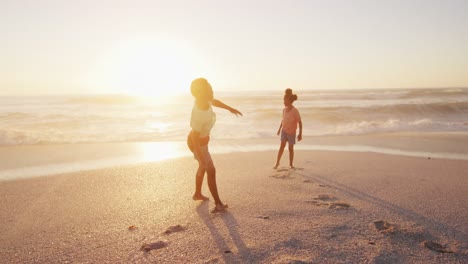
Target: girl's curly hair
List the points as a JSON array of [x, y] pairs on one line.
[[288, 94]]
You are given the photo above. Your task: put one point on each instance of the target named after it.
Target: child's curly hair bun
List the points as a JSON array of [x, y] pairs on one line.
[[288, 94]]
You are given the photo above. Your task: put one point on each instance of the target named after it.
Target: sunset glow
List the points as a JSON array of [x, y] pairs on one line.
[[155, 48], [144, 67]]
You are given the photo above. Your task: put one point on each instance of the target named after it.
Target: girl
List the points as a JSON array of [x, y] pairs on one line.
[[291, 118], [202, 121]]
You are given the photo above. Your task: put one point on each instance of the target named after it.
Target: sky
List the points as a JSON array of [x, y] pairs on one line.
[[157, 47]]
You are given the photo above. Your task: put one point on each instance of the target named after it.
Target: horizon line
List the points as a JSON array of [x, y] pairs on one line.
[[236, 90]]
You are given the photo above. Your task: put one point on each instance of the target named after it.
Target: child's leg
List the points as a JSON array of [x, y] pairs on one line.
[[291, 154], [198, 183], [202, 168], [211, 174], [280, 153]]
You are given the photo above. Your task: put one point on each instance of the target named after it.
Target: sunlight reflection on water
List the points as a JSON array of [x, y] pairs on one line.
[[157, 151]]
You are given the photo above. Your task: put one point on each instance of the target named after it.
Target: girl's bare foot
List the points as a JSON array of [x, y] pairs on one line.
[[276, 166], [219, 208], [200, 197]]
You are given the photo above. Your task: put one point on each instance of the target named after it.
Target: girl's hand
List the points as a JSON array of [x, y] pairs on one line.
[[235, 111], [218, 103]]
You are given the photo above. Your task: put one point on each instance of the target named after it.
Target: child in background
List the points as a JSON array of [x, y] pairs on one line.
[[288, 127]]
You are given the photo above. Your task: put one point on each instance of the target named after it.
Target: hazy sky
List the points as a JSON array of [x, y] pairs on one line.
[[113, 46]]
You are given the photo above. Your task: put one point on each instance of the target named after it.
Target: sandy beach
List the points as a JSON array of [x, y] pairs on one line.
[[100, 101], [335, 207]]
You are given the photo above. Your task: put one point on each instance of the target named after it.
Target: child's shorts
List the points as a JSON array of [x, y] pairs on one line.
[[291, 139], [204, 151]]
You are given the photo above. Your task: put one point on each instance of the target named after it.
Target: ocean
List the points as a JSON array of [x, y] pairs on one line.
[[46, 120]]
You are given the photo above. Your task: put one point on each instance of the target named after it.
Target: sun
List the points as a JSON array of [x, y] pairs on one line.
[[146, 67]]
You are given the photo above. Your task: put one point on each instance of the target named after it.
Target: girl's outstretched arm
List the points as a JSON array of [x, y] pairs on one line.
[[217, 103]]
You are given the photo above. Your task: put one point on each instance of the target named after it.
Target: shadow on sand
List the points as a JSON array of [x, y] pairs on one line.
[[243, 253]]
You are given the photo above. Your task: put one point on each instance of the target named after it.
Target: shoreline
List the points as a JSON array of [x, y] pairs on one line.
[[41, 160]]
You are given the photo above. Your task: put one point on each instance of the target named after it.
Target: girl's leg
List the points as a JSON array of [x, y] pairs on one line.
[[280, 153], [291, 155], [198, 183], [211, 174]]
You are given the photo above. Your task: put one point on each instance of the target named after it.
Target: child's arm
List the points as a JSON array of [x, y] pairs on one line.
[[299, 137], [279, 128], [217, 103]]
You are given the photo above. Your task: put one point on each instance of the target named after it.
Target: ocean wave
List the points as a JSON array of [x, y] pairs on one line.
[[104, 99], [16, 137], [338, 114], [247, 130], [435, 93], [350, 95], [91, 119], [334, 113], [383, 94], [393, 125], [11, 137], [22, 137], [14, 116]]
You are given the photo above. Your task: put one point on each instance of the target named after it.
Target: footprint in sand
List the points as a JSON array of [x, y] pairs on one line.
[[325, 197], [325, 200], [212, 261], [283, 257], [173, 229], [282, 176], [410, 236], [434, 246], [317, 203], [383, 226], [339, 205], [147, 247]]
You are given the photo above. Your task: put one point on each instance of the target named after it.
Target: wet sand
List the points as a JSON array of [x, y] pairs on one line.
[[26, 161]]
